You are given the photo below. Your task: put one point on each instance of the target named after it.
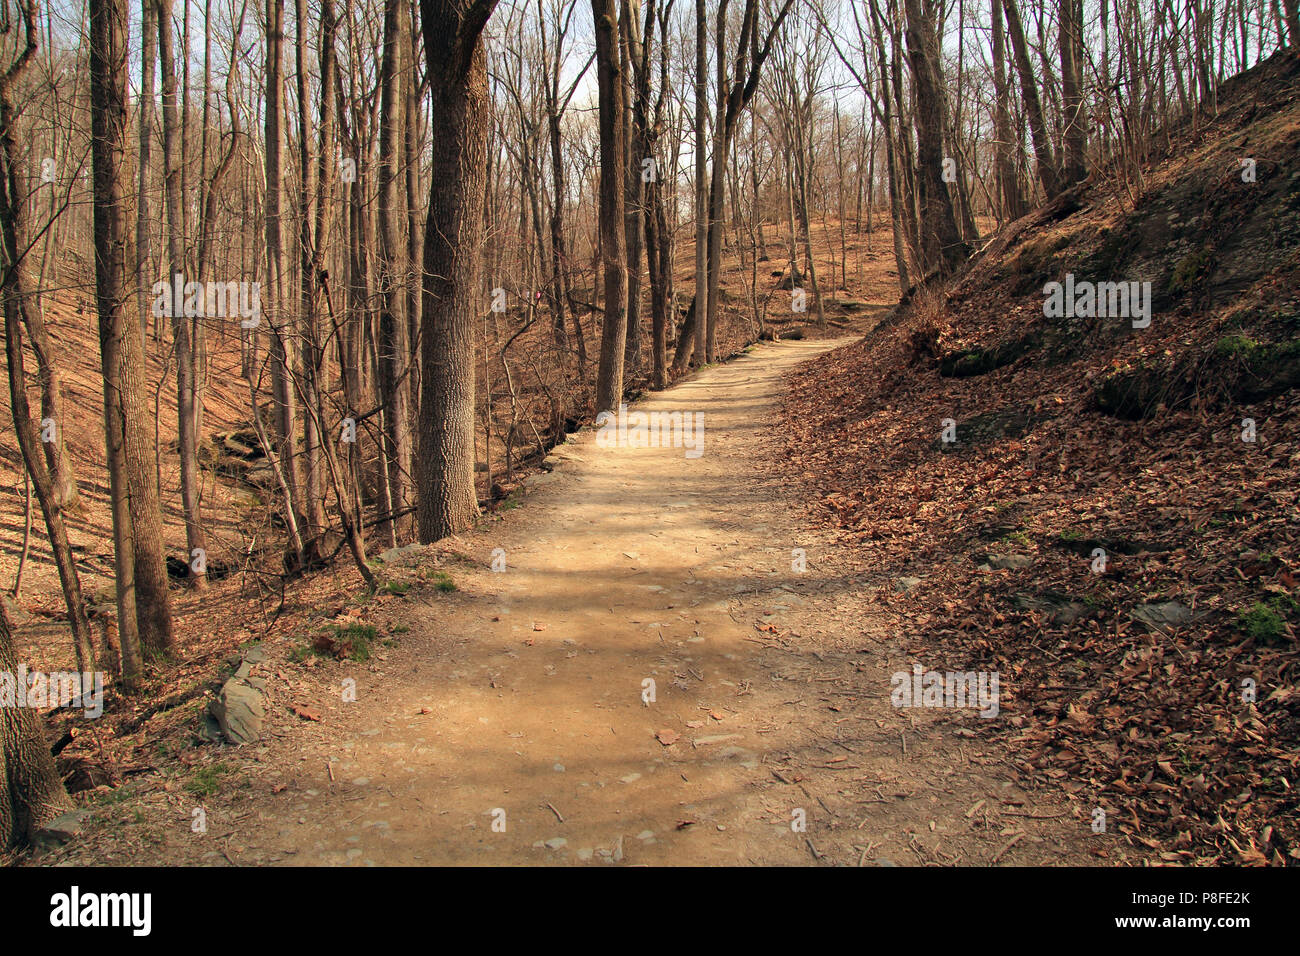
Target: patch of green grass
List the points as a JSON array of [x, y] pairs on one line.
[[1189, 271], [346, 642], [398, 629], [116, 795], [1262, 624], [443, 582], [1018, 537], [1235, 346], [395, 587], [343, 642], [207, 780], [510, 502]]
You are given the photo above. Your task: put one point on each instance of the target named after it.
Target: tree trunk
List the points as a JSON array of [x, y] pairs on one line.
[[1292, 8], [613, 237], [284, 402], [143, 216], [31, 793], [453, 240], [701, 188], [394, 345], [137, 520], [182, 325], [636, 50], [1074, 165], [1047, 172], [17, 303], [1013, 199], [941, 243]]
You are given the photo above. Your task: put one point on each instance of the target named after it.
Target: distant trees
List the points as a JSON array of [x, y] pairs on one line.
[[22, 314], [413, 160]]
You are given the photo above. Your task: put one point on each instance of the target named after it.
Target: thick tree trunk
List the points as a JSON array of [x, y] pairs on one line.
[[453, 241], [1074, 165], [31, 793], [1292, 8], [941, 243], [284, 401]]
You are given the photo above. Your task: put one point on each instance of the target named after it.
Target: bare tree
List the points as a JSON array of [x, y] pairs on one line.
[[144, 607], [613, 235], [453, 237]]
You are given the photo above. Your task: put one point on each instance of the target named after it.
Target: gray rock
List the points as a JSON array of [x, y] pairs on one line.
[[1009, 562], [240, 709], [63, 828], [1060, 609], [1163, 616], [210, 730], [903, 585], [397, 554]]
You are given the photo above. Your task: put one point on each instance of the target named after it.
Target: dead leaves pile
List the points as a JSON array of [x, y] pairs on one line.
[[1154, 725]]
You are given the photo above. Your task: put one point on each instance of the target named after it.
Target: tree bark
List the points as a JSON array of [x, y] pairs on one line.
[[182, 325], [394, 344], [613, 235], [1074, 165], [941, 243], [453, 240], [137, 523], [1012, 197], [31, 793], [1047, 172]]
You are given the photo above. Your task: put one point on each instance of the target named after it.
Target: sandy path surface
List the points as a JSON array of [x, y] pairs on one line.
[[511, 723]]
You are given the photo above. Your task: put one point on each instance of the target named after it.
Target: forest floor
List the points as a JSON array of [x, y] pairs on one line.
[[503, 721]]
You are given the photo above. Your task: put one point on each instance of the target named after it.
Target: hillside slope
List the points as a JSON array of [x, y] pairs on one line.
[[1114, 528]]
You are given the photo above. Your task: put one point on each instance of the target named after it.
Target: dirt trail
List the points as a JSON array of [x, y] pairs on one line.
[[627, 564]]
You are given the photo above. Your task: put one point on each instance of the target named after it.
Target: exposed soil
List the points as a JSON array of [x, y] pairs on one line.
[[521, 691]]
